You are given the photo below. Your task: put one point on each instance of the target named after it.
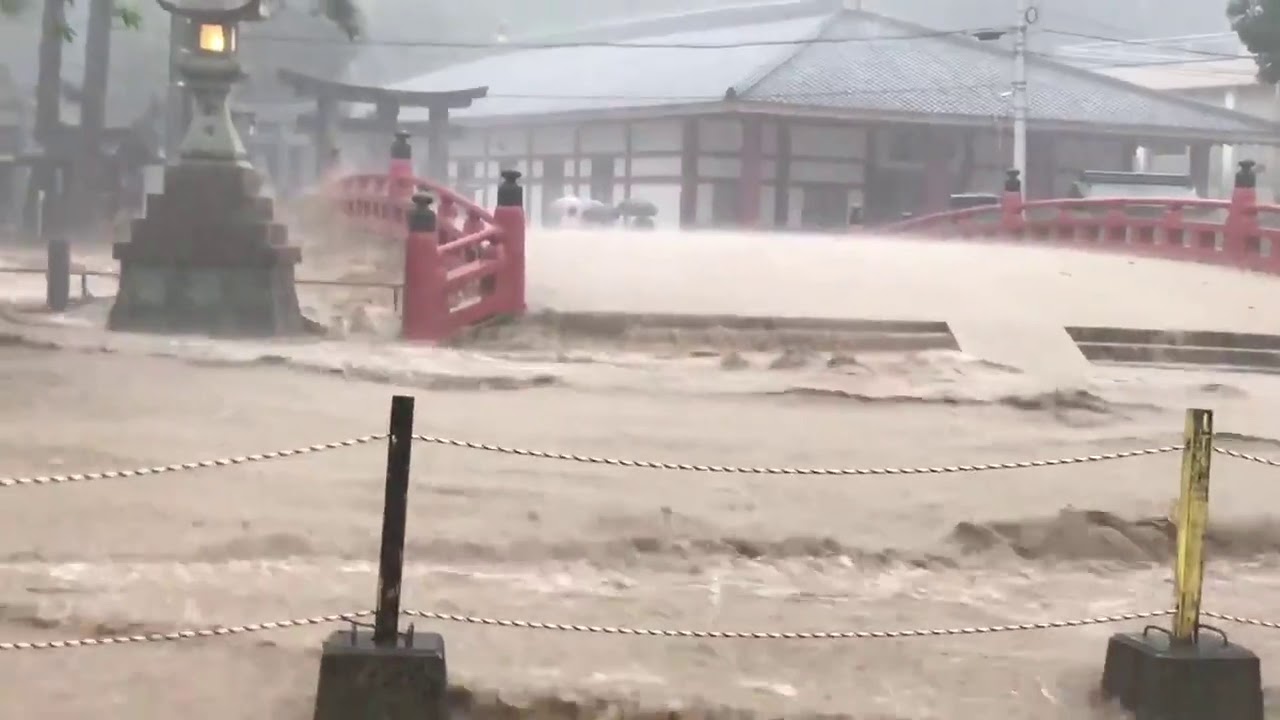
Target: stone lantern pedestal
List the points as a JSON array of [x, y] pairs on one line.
[[209, 257]]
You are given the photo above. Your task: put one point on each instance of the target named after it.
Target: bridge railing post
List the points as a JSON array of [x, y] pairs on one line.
[[509, 215], [1011, 220], [425, 314], [1241, 227]]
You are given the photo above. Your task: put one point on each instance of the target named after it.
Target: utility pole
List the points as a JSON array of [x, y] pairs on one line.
[[1026, 16]]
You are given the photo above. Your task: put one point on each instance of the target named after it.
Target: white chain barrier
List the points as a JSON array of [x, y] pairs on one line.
[[658, 465], [184, 634], [1241, 620], [595, 629], [786, 635], [1246, 456], [616, 630], [6, 482]]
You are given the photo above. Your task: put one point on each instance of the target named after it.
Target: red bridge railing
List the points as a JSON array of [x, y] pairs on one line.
[[463, 264], [1237, 232]]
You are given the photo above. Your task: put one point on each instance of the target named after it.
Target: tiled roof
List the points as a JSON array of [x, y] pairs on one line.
[[1194, 75], [955, 75], [892, 67], [1120, 19], [578, 78]]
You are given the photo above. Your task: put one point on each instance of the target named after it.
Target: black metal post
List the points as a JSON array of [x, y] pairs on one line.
[[386, 625], [57, 277]]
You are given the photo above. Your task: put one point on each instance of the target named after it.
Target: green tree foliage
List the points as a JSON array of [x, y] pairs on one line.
[[126, 14], [1257, 22], [343, 13]]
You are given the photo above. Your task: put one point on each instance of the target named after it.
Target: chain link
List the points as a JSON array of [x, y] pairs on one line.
[[1246, 456], [597, 629], [1241, 620], [658, 465], [199, 465], [184, 634], [6, 482], [794, 635]]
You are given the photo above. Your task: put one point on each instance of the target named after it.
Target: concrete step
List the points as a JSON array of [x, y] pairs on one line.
[[737, 332], [1036, 348]]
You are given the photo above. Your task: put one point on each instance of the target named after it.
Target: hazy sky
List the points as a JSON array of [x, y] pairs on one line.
[[138, 57]]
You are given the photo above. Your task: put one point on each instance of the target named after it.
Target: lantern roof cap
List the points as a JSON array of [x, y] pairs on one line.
[[250, 10]]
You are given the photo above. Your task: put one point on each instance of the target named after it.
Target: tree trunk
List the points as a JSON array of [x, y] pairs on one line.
[[49, 83], [90, 184], [48, 114], [97, 61]]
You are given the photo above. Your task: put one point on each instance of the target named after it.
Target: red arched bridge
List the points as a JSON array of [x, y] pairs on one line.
[[465, 264], [1237, 232]]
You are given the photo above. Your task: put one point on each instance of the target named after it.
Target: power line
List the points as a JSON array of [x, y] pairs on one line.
[[779, 96], [1143, 63], [624, 45], [441, 44], [1157, 44]]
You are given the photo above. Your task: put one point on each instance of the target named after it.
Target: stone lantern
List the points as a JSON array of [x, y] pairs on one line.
[[209, 257], [210, 66]]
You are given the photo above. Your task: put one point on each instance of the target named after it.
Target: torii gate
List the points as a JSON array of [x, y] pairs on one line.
[[387, 105]]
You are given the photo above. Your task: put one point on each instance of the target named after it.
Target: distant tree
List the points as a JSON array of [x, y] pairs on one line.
[[126, 14], [343, 13], [1257, 22]]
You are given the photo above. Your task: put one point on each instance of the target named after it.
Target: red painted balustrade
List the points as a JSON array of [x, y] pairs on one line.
[[464, 265], [1237, 232]]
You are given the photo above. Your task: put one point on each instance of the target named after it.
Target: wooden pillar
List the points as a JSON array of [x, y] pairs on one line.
[[629, 150], [486, 180], [326, 112], [937, 172], [387, 117], [577, 161], [751, 178], [782, 179], [1198, 168], [689, 173], [529, 180], [438, 143], [1129, 152], [1041, 167]]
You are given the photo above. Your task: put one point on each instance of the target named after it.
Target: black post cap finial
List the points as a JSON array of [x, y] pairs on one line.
[[422, 218], [510, 194], [400, 147], [1012, 180], [1247, 176]]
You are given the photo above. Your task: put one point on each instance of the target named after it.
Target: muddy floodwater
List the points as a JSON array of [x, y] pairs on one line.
[[495, 534]]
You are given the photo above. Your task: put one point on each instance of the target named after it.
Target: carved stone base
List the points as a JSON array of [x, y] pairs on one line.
[[208, 258]]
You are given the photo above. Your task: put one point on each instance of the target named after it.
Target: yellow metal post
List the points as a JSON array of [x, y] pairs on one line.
[[1193, 515]]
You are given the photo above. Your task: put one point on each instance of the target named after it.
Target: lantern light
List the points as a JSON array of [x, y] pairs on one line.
[[217, 38]]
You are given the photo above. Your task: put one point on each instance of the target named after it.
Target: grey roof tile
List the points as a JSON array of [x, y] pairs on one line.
[[953, 74], [572, 79]]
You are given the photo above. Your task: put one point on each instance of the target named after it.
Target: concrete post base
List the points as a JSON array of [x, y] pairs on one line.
[[208, 258], [361, 680], [1157, 680]]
